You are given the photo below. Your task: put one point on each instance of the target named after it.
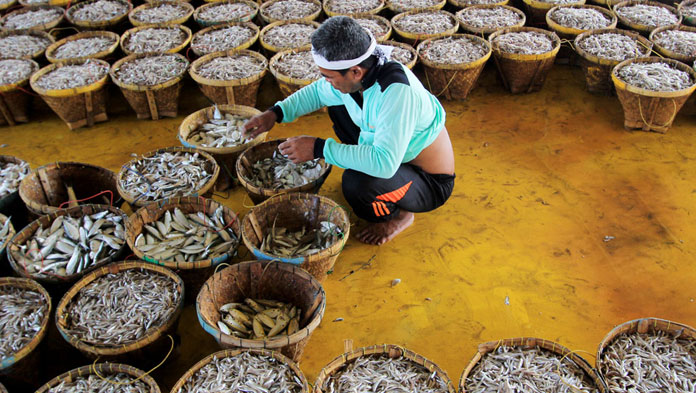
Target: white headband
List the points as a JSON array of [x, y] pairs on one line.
[[322, 62]]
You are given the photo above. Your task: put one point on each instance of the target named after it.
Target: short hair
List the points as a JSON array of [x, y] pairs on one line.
[[340, 38]]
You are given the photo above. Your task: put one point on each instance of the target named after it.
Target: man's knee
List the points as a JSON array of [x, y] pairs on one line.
[[359, 191]]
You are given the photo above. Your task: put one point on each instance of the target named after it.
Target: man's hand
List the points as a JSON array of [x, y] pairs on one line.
[[259, 124], [298, 148]]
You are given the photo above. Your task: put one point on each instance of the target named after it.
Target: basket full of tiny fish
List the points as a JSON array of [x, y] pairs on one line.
[[293, 69], [417, 25], [155, 39], [231, 77], [487, 18], [289, 34], [687, 10], [225, 11], [98, 14], [82, 46], [353, 7], [378, 26], [536, 10], [24, 44], [285, 307], [12, 171], [102, 377], [676, 42], [43, 17], [283, 10], [644, 16], [14, 100], [399, 6], [402, 53], [161, 12], [7, 232], [567, 21], [224, 37]]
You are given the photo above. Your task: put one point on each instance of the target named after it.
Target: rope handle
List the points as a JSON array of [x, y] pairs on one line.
[[558, 369], [667, 124], [111, 203], [568, 42], [93, 368]]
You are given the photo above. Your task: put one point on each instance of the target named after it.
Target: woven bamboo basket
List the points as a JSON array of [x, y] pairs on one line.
[[229, 353], [106, 24], [649, 110], [101, 370], [81, 106], [267, 19], [266, 150], [384, 22], [536, 11], [152, 101], [329, 12], [531, 342], [686, 19], [486, 31], [396, 8], [226, 157], [24, 365], [642, 29], [385, 350], [229, 92], [414, 54], [36, 56], [288, 85], [200, 50], [48, 187], [44, 27], [132, 16], [687, 59], [567, 55], [468, 3], [523, 73], [597, 70], [263, 280], [452, 81], [148, 349], [176, 49], [206, 23], [293, 211], [15, 100], [275, 49], [414, 38], [105, 54]]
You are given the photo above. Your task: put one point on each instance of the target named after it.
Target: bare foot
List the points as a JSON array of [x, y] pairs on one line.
[[382, 232]]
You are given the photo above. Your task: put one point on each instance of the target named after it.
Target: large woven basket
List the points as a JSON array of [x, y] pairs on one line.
[[14, 100], [598, 70], [294, 211], [105, 54], [398, 8], [329, 12], [386, 350], [412, 50], [412, 38], [246, 18], [686, 19], [263, 280], [486, 31], [567, 55], [267, 19], [45, 27], [523, 73], [287, 84], [649, 110], [536, 11], [201, 50], [687, 59], [642, 29], [178, 48], [37, 33], [452, 81], [226, 157], [105, 24], [101, 370], [275, 49], [150, 348], [153, 4], [531, 342], [80, 106]]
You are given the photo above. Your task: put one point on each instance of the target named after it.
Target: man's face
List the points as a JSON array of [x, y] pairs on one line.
[[348, 83]]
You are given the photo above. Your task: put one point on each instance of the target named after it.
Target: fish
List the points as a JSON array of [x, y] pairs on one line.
[[298, 65], [220, 131], [159, 13], [220, 39], [260, 318], [22, 312], [154, 39], [27, 18], [83, 47], [113, 383], [489, 18], [150, 70], [224, 12], [98, 11], [289, 9], [656, 76], [279, 241], [523, 42], [613, 46], [425, 23], [22, 45], [580, 18], [347, 7], [291, 35], [231, 67], [454, 50], [278, 172], [71, 76]]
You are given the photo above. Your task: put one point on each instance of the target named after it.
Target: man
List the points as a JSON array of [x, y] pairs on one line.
[[393, 146]]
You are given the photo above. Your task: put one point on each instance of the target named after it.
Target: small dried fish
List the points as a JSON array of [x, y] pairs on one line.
[[580, 18], [121, 308], [451, 50], [282, 242], [647, 15], [10, 176], [31, 18], [655, 76], [377, 29], [221, 39], [161, 13], [523, 42], [237, 66], [298, 65], [474, 2], [155, 39], [350, 7], [289, 36], [13, 71], [226, 12], [402, 55], [678, 41], [83, 47], [560, 1], [151, 70], [426, 22], [246, 372], [290, 9], [70, 76], [257, 319], [489, 18], [22, 45], [407, 5], [100, 10], [220, 131], [613, 46], [114, 383], [5, 232], [21, 315], [278, 172], [37, 2]]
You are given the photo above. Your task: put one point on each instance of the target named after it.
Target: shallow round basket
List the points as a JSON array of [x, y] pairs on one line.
[[101, 370], [206, 23], [294, 211], [686, 19], [104, 24], [570, 33], [155, 340], [688, 59], [384, 22], [263, 280], [178, 21], [468, 3], [385, 350], [536, 11], [244, 45], [531, 342], [328, 3], [275, 49], [485, 31], [643, 29], [37, 33], [267, 19], [15, 100], [287, 84], [524, 73], [414, 38], [452, 81], [229, 353], [51, 50], [126, 36], [649, 110], [398, 8], [45, 27], [414, 54]]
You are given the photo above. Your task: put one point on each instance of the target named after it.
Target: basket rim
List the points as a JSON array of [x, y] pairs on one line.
[[463, 4], [558, 28], [410, 35], [127, 34], [404, 46], [225, 108], [275, 49], [379, 19], [129, 86], [285, 78], [268, 19], [11, 231], [244, 45], [544, 5], [620, 84], [206, 5], [73, 90], [85, 34], [525, 57], [41, 33], [395, 8], [13, 86], [458, 66], [97, 23], [327, 3], [638, 26], [488, 30], [147, 5], [668, 53], [102, 368], [644, 42], [193, 69], [43, 26]]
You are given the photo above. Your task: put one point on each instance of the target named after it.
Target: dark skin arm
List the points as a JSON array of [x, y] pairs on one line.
[[298, 148]]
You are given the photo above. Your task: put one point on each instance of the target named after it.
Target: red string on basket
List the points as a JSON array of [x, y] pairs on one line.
[[126, 258], [27, 91], [188, 53], [93, 196]]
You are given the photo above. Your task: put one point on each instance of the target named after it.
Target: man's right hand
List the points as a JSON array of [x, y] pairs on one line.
[[259, 124]]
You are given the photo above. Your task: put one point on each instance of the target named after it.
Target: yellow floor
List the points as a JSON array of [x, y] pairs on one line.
[[561, 225]]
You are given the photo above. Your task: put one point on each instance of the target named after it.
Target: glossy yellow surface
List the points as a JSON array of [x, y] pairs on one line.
[[562, 225]]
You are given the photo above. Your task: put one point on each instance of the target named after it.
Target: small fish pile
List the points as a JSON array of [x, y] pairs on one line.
[[647, 15], [220, 131], [307, 241], [245, 372], [451, 50], [524, 42], [121, 308], [226, 12], [290, 9], [22, 45], [517, 369], [237, 66], [613, 46], [350, 7], [15, 70], [36, 2], [427, 22], [114, 383], [580, 18], [679, 41], [21, 315], [155, 39], [381, 374], [221, 39], [402, 55], [100, 10], [151, 70], [655, 362], [70, 245], [3, 2], [688, 11], [278, 172], [5, 233], [70, 76], [289, 36], [83, 47], [374, 26], [187, 237], [257, 319], [655, 76], [31, 18], [489, 18], [560, 1], [298, 65], [165, 175], [10, 176], [407, 5], [474, 2], [162, 13]]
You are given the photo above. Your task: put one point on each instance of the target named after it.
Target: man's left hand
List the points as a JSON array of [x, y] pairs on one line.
[[298, 148]]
